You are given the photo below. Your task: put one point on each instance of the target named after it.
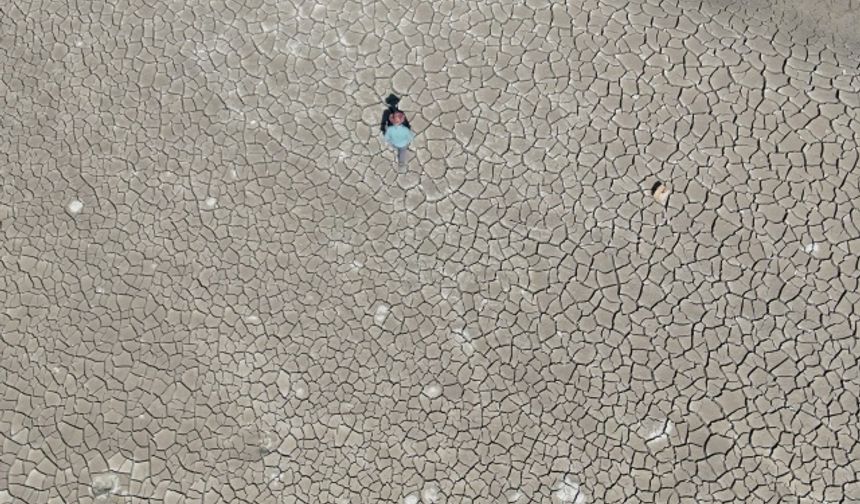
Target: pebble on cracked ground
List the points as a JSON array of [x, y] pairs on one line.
[[660, 192]]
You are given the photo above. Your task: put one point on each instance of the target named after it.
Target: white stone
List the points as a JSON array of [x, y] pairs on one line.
[[662, 195], [433, 391], [211, 202], [75, 206], [381, 314], [410, 499], [811, 248], [252, 319]]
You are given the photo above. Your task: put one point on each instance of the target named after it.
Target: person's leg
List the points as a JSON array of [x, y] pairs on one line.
[[402, 156]]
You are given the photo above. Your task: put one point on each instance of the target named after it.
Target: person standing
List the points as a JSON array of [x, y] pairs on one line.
[[399, 136], [392, 101]]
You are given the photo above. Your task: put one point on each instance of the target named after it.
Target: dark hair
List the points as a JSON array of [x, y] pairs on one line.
[[392, 100], [656, 186]]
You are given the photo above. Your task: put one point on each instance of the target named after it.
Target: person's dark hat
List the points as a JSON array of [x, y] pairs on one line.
[[392, 100]]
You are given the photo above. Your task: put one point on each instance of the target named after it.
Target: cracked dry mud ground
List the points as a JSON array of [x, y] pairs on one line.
[[216, 288]]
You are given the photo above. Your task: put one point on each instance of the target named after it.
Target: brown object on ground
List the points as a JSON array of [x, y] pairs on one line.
[[660, 192]]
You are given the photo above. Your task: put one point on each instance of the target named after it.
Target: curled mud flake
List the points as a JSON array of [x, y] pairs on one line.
[[660, 192]]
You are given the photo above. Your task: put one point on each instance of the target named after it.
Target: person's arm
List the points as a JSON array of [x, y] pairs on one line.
[[384, 125]]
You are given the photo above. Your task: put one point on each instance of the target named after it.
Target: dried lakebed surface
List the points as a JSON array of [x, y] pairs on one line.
[[217, 288]]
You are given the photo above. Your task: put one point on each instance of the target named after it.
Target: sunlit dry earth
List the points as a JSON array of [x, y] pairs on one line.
[[217, 288]]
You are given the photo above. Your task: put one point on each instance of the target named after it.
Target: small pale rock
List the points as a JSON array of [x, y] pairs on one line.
[[433, 391], [660, 192], [75, 206]]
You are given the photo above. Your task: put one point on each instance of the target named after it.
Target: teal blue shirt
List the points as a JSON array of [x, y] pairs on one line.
[[399, 136]]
